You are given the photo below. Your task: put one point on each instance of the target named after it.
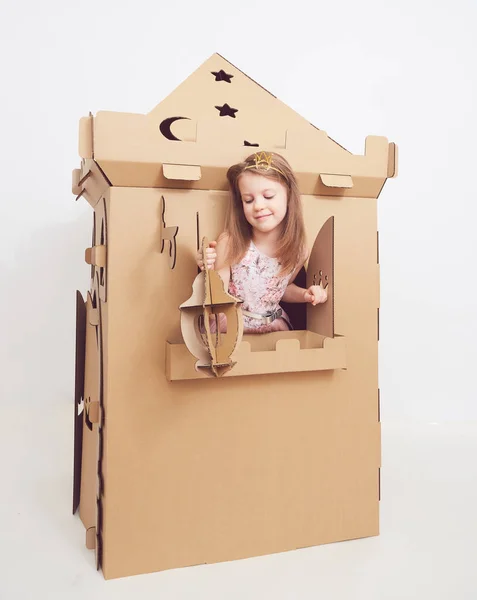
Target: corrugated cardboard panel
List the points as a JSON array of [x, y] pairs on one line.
[[218, 469]]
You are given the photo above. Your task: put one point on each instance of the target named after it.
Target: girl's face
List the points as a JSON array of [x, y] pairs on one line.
[[264, 201]]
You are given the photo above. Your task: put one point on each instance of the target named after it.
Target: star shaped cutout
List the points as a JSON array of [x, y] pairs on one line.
[[222, 76], [226, 111]]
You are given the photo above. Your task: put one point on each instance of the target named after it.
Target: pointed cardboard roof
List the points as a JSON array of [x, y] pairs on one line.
[[199, 130]]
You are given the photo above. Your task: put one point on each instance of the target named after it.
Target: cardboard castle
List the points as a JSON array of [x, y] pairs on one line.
[[174, 467]]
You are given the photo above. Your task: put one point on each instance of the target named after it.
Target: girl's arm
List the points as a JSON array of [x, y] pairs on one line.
[[221, 266], [315, 294], [216, 255]]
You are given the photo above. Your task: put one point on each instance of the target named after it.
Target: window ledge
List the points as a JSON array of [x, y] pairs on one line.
[[279, 352]]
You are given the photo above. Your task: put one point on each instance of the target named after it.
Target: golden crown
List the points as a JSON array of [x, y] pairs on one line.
[[263, 162]]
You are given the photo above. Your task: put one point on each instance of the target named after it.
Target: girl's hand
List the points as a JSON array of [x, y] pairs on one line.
[[316, 294], [211, 256]]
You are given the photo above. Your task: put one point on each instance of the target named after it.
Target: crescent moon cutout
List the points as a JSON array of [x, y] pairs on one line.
[[165, 128]]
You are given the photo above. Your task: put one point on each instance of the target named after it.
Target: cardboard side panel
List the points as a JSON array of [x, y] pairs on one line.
[[320, 318], [87, 505], [79, 394]]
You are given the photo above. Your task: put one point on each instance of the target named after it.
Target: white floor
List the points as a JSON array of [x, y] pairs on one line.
[[427, 548]]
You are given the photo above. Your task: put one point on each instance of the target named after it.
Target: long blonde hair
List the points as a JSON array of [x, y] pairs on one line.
[[292, 244]]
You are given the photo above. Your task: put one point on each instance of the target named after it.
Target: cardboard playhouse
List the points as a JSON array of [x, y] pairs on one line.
[[191, 449]]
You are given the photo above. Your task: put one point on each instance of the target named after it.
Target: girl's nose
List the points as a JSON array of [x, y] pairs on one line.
[[259, 203]]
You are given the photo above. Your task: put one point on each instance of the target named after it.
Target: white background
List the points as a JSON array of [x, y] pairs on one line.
[[405, 70]]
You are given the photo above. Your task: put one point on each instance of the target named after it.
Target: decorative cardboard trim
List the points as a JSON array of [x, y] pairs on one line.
[[292, 351], [168, 234]]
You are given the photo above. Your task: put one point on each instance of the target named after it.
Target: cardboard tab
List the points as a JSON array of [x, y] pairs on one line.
[[93, 316], [96, 256], [75, 186], [86, 137], [336, 181], [182, 172], [93, 411], [91, 538], [392, 160]]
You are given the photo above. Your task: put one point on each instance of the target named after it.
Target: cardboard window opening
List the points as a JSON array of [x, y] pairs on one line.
[[313, 349]]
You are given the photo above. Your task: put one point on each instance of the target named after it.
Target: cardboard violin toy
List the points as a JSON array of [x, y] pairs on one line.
[[197, 444], [210, 300]]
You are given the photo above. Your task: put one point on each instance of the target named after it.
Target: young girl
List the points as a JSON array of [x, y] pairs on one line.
[[263, 246]]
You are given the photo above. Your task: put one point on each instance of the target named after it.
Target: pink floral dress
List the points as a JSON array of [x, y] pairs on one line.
[[256, 282]]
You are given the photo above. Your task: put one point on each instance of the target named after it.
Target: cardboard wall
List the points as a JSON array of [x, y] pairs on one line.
[[211, 470]]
